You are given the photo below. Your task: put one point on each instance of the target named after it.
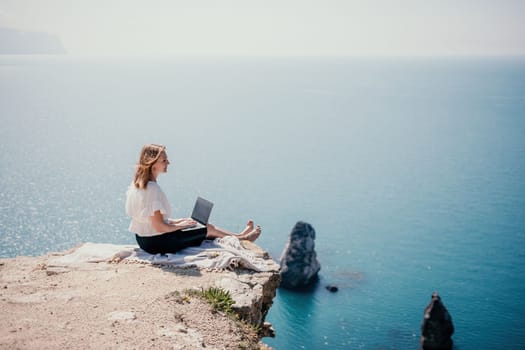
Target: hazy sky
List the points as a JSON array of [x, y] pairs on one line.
[[280, 27]]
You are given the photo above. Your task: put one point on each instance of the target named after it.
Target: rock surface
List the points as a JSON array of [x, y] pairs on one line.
[[124, 305], [437, 327], [299, 265]]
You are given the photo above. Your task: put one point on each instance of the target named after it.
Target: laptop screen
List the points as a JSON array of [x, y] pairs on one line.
[[202, 210]]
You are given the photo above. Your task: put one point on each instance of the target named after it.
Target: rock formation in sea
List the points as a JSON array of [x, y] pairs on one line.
[[299, 264], [437, 327]]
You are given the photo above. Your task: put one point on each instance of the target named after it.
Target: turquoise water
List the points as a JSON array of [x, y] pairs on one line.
[[410, 170]]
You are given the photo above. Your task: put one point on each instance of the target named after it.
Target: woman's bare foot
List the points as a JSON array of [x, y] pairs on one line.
[[248, 229], [252, 235]]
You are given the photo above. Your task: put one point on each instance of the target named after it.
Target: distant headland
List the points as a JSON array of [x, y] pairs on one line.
[[15, 42]]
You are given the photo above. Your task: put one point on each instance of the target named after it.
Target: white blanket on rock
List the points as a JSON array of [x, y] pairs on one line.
[[221, 253]]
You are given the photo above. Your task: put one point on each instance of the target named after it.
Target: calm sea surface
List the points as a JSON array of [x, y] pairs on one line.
[[411, 170]]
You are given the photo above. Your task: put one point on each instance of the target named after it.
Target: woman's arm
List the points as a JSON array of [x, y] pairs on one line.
[[158, 223]]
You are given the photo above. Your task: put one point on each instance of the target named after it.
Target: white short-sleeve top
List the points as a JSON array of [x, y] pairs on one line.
[[141, 204]]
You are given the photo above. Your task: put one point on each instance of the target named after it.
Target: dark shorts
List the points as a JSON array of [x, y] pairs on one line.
[[171, 242]]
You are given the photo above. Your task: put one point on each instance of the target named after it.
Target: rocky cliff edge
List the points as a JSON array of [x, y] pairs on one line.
[[117, 305]]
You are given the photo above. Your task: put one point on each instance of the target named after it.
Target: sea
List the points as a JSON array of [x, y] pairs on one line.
[[410, 169]]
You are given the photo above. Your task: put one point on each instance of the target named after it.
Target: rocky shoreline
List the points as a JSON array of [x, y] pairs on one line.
[[117, 305]]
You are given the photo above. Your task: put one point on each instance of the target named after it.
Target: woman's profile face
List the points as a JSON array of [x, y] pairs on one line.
[[161, 165]]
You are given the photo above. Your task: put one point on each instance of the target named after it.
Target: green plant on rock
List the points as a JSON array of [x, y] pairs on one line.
[[219, 299]]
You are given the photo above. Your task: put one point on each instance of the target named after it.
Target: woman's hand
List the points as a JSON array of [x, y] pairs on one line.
[[182, 222], [185, 223], [161, 226]]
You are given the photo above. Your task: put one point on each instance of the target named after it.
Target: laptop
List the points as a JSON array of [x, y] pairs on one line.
[[201, 214]]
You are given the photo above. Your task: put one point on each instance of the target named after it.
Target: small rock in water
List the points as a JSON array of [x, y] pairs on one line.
[[437, 327], [332, 288]]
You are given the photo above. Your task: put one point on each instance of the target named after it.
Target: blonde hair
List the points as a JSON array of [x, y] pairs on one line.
[[148, 156]]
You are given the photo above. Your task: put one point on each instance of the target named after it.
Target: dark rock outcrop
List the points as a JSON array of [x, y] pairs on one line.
[[299, 265], [332, 288], [437, 327]]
